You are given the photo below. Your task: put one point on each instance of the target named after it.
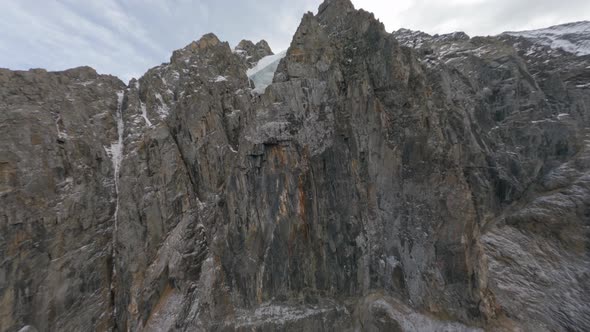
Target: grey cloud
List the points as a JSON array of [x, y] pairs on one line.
[[478, 17], [126, 37]]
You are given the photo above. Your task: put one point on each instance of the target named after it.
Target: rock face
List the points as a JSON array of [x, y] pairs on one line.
[[383, 182], [57, 196]]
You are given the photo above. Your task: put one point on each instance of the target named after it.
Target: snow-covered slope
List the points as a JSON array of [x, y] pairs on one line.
[[263, 73], [571, 37]]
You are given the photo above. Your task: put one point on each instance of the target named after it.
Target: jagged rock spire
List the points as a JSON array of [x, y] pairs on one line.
[[261, 47], [252, 53], [342, 6], [204, 44], [332, 10]]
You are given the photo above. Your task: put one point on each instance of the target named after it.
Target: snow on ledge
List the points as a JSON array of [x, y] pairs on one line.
[[570, 37]]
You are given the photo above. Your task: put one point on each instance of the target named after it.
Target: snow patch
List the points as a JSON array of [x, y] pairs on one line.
[[393, 261], [220, 78], [542, 121], [62, 135], [116, 153], [116, 149], [414, 321], [280, 315], [233, 113], [144, 114], [163, 109], [87, 83]]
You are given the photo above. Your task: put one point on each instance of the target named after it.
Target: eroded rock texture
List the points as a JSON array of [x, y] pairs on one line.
[[57, 199], [383, 182]]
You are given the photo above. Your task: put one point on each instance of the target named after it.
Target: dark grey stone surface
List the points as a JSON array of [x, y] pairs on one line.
[[400, 182]]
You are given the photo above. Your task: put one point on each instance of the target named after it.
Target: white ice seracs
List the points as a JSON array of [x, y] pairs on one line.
[[263, 73]]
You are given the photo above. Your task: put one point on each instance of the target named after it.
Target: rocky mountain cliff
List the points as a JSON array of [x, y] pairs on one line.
[[382, 182]]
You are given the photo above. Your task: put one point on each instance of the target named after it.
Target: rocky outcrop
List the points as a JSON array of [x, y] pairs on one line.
[[252, 53], [400, 182], [57, 199], [525, 244]]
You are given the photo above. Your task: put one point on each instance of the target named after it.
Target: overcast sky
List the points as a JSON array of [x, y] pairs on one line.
[[126, 37]]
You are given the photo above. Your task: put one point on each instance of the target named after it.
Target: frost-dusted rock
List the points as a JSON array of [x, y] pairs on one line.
[[401, 182], [572, 37], [57, 199], [252, 53]]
